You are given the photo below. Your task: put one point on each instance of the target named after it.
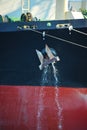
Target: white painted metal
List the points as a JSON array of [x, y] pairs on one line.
[[84, 4], [25, 6], [61, 8]]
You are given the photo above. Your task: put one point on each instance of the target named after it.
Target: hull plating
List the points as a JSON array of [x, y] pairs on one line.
[[43, 108], [25, 103], [19, 62]]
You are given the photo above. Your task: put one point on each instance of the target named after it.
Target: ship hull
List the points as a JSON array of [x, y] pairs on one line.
[[27, 101], [34, 108], [19, 64]]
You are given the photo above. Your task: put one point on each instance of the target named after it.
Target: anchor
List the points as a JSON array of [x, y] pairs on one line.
[[49, 59]]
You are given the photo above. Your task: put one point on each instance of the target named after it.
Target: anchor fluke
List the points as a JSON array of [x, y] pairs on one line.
[[49, 59]]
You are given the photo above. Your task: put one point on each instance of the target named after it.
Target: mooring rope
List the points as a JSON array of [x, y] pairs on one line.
[[80, 32], [61, 39]]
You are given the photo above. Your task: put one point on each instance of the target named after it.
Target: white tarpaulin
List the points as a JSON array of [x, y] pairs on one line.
[[42, 9], [9, 6]]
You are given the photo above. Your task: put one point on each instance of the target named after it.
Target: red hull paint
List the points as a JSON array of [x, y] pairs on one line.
[[43, 108]]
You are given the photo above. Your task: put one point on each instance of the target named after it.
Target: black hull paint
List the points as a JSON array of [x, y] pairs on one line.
[[19, 62]]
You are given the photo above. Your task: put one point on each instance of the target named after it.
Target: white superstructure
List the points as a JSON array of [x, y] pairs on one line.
[[25, 6], [44, 9]]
